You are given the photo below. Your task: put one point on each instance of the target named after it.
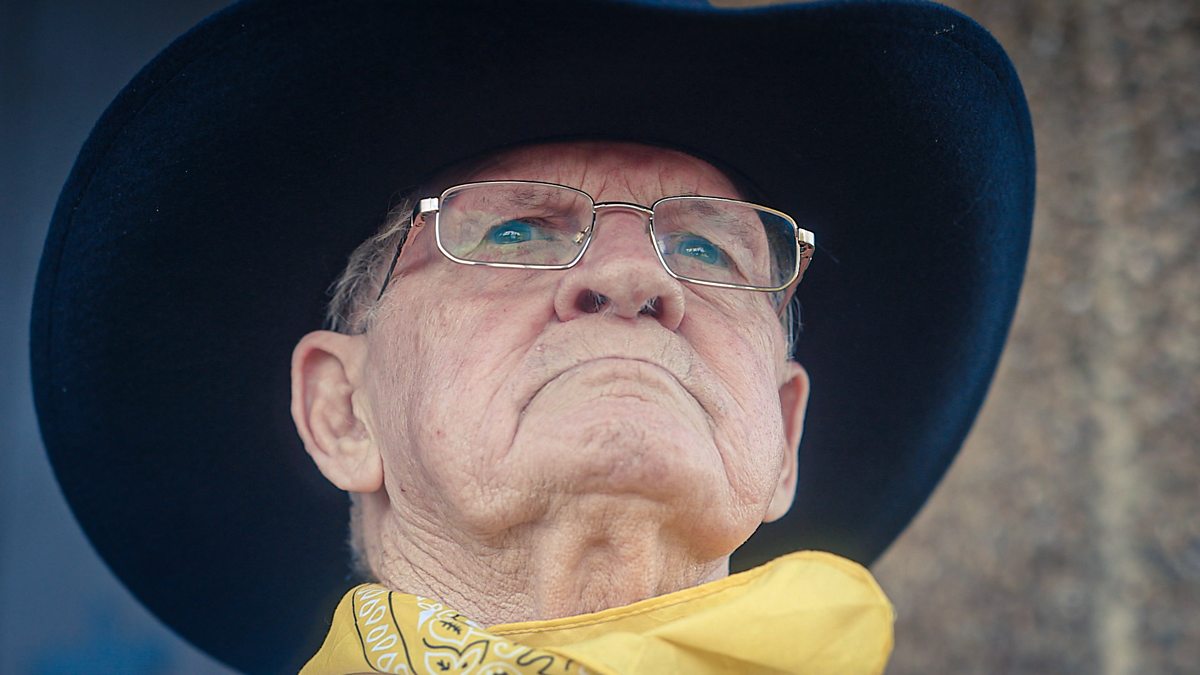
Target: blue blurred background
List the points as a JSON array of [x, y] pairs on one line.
[[61, 63]]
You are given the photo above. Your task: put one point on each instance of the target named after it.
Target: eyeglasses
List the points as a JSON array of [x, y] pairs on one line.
[[710, 241]]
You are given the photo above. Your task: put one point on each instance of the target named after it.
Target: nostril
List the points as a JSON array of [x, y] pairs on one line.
[[591, 302], [630, 291]]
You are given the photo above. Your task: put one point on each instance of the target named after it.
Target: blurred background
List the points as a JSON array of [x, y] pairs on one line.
[[1066, 537]]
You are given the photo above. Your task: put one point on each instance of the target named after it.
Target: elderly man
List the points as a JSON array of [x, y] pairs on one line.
[[563, 380], [536, 443]]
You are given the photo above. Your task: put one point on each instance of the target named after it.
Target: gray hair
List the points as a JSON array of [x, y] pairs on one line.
[[353, 296]]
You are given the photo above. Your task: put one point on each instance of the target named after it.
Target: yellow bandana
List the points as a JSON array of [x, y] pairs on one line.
[[807, 612]]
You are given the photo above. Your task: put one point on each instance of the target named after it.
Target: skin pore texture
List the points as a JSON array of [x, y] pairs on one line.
[[522, 453]]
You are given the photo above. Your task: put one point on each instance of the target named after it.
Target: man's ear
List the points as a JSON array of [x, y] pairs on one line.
[[793, 402], [328, 409]]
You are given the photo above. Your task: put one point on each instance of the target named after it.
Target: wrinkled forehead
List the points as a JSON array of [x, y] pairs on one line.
[[607, 170]]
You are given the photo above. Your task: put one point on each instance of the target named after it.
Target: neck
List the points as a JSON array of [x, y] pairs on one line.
[[594, 558]]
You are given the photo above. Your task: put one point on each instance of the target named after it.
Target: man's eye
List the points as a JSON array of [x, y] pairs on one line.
[[701, 249], [514, 232]]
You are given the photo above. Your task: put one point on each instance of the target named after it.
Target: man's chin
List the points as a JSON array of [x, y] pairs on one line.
[[623, 445]]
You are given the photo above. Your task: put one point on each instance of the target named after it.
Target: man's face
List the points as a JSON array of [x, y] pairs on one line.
[[505, 399]]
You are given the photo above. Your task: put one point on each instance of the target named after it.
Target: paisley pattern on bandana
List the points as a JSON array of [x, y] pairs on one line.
[[443, 641]]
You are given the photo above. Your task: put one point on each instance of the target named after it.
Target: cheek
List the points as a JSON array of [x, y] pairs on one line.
[[441, 372], [745, 356]]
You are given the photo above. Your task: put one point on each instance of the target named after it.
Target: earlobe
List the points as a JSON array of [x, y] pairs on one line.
[[793, 402], [329, 410]]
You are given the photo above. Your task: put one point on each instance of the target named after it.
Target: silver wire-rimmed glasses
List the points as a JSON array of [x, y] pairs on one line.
[[710, 241]]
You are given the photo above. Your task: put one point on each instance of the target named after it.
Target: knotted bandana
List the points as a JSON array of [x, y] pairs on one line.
[[807, 612]]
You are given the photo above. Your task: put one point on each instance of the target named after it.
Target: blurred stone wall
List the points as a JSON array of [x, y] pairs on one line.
[[1066, 537]]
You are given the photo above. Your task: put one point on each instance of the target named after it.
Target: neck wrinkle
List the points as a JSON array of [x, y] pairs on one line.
[[543, 571]]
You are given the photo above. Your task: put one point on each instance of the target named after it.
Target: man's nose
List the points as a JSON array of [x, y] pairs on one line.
[[620, 273]]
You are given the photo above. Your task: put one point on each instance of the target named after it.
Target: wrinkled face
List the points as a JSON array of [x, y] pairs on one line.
[[500, 398]]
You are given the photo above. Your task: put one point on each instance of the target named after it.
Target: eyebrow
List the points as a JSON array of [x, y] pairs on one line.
[[737, 226], [725, 218], [529, 195], [537, 196]]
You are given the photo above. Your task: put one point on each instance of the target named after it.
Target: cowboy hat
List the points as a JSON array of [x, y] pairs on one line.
[[222, 191]]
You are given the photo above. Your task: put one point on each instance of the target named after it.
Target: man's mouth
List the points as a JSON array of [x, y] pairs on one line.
[[616, 376], [613, 378]]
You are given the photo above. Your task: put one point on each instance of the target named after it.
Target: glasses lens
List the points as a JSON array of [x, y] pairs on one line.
[[514, 222], [723, 241]]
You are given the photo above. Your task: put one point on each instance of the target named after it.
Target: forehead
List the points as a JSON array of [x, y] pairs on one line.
[[609, 171]]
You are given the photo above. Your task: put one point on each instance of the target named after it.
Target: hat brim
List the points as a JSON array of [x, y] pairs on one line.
[[222, 191]]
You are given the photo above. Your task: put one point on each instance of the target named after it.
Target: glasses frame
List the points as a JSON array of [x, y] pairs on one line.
[[805, 240]]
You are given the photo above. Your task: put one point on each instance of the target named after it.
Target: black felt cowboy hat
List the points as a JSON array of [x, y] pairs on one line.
[[222, 191]]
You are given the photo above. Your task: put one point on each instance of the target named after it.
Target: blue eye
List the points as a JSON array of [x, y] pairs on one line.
[[513, 232], [700, 249]]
